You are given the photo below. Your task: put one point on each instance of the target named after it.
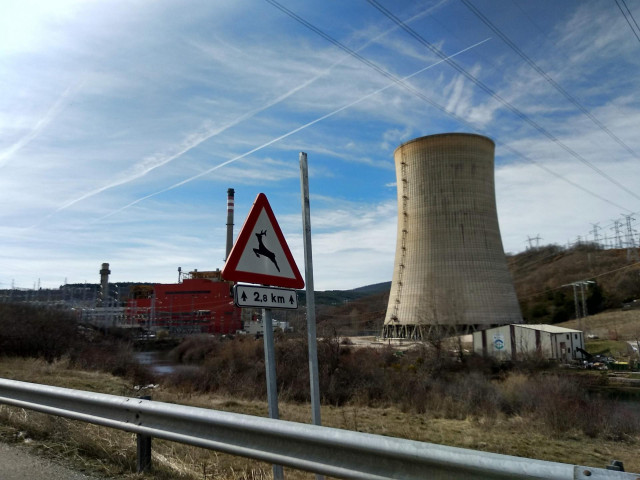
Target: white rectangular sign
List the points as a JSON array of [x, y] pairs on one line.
[[264, 297]]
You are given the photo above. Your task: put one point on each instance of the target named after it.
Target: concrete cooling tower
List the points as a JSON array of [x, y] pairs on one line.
[[450, 269]]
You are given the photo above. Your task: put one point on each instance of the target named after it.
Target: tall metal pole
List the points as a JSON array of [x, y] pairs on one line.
[[575, 300], [270, 367], [585, 313], [311, 301]]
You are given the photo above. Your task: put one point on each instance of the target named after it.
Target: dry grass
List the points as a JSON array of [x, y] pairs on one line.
[[610, 325], [112, 453]]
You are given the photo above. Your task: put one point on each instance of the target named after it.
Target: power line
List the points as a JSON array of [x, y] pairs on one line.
[[627, 19], [419, 94], [496, 96], [544, 75], [426, 99], [592, 276]]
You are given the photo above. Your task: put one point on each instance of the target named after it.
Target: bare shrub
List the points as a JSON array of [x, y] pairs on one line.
[[195, 349], [619, 422], [28, 331], [106, 354], [421, 380], [292, 370]]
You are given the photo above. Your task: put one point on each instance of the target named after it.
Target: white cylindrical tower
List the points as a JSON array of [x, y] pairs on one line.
[[450, 268], [104, 284]]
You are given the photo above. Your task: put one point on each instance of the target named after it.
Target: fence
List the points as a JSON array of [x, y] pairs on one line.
[[329, 451]]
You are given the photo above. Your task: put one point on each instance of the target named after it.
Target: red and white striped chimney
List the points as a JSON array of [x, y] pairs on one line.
[[230, 203]]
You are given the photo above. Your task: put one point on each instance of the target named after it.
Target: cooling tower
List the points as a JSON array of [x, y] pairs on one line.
[[450, 268]]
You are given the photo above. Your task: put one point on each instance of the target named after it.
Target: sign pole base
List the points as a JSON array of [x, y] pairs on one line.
[[270, 367]]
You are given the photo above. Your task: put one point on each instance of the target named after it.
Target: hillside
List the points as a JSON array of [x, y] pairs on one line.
[[542, 278]]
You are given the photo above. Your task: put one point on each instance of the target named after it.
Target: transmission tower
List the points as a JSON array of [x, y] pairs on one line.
[[537, 238], [618, 237], [596, 227], [632, 251]]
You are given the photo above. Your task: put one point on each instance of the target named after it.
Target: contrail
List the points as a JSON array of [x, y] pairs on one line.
[[195, 140], [288, 134], [190, 144], [52, 113]]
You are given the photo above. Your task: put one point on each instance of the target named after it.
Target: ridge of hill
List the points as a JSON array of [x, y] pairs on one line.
[[342, 297], [542, 277]]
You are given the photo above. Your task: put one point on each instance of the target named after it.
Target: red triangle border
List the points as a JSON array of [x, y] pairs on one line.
[[230, 271]]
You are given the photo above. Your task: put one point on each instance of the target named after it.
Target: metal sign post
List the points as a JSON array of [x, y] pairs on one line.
[[272, 386], [311, 303], [261, 256]]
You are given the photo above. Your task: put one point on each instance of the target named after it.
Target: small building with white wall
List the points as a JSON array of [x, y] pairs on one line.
[[517, 341]]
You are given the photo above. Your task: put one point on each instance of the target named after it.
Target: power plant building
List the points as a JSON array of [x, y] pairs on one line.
[[201, 303], [517, 342], [450, 269]]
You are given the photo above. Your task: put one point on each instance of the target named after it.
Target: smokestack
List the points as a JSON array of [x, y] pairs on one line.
[[104, 282], [230, 202]]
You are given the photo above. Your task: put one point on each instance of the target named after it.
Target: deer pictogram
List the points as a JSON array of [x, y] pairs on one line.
[[262, 250]]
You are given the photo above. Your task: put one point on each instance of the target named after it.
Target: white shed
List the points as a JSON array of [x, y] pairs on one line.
[[511, 342]]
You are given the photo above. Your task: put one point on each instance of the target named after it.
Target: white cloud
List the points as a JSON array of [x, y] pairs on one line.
[[122, 132]]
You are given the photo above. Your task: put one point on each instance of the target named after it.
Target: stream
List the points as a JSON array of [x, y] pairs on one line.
[[160, 364]]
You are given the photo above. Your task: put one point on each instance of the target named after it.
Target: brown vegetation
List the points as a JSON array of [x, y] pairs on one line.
[[50, 334], [415, 383], [26, 331], [529, 409], [541, 274]]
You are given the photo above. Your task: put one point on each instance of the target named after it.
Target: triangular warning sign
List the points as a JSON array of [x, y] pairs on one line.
[[260, 254]]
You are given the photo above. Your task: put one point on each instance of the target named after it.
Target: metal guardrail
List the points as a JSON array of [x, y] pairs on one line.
[[329, 451]]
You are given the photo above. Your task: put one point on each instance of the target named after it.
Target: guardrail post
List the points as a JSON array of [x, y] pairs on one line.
[[616, 465], [144, 448]]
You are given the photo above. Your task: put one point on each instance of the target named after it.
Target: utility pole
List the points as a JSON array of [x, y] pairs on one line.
[[580, 315], [575, 301]]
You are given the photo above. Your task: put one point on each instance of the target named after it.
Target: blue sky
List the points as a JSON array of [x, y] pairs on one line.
[[124, 123]]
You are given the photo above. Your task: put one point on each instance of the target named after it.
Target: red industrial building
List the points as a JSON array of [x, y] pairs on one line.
[[200, 303]]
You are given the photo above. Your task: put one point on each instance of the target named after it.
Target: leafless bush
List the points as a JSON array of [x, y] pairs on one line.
[[27, 331], [415, 381], [107, 354], [195, 349]]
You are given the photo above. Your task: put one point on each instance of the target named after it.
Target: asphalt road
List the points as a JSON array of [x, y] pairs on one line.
[[18, 463]]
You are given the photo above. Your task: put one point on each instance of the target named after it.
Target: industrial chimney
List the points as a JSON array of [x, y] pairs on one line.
[[450, 269], [104, 283], [230, 204]]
